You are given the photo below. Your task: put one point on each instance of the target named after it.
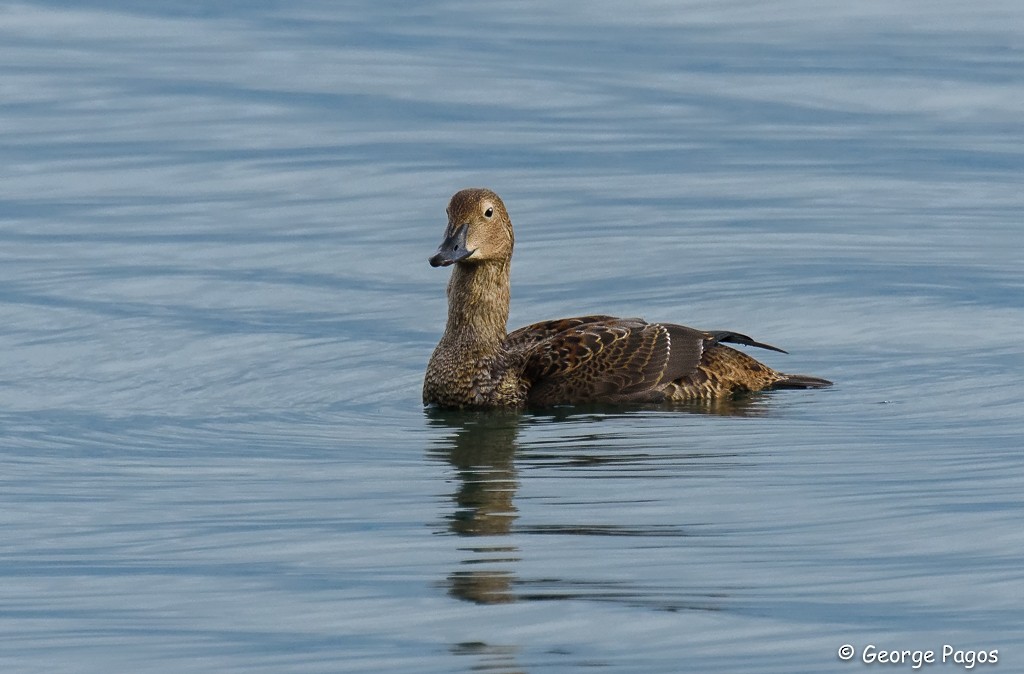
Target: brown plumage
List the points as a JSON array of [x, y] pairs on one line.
[[588, 359]]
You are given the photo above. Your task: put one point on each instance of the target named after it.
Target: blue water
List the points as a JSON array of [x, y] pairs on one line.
[[216, 310]]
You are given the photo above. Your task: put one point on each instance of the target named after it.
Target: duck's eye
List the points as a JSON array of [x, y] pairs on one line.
[[489, 212]]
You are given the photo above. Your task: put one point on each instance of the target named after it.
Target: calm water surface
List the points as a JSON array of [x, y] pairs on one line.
[[216, 312]]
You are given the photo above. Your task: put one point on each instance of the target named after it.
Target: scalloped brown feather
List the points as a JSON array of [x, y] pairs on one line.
[[587, 359], [613, 360]]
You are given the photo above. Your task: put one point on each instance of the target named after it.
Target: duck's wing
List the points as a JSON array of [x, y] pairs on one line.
[[611, 360], [529, 336]]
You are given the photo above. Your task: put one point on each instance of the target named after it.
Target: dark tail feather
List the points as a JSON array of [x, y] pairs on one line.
[[801, 381], [738, 338]]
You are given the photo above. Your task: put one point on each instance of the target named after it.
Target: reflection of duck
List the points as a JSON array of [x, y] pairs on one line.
[[568, 361], [482, 450]]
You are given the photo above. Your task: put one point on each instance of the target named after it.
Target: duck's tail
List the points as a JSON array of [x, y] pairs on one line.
[[801, 381]]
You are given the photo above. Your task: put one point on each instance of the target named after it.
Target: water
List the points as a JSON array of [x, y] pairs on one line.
[[217, 310]]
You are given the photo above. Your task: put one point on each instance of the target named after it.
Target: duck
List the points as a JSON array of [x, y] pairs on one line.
[[598, 359]]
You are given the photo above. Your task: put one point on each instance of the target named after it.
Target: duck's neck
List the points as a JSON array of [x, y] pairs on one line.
[[478, 299]]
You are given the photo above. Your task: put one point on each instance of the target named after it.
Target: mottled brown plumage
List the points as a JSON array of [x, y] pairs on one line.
[[588, 359]]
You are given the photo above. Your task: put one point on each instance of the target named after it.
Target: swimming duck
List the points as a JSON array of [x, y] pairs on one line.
[[587, 359]]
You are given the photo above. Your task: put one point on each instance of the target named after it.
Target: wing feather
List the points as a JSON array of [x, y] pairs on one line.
[[606, 359], [529, 336], [601, 360]]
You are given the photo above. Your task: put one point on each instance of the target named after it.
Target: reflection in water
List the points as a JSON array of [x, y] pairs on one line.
[[491, 658], [482, 450], [753, 404]]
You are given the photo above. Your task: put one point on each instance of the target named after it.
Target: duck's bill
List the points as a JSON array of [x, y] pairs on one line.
[[452, 249]]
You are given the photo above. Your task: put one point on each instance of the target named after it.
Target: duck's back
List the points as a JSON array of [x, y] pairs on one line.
[[603, 359]]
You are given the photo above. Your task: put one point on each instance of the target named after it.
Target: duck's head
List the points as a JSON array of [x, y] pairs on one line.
[[478, 229]]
